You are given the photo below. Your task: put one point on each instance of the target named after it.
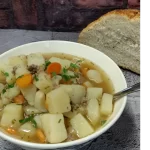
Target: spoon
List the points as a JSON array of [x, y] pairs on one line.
[[131, 89]]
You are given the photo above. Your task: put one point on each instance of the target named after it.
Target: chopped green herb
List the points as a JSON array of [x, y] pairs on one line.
[[3, 91], [47, 62], [78, 61], [29, 119], [10, 86], [74, 66], [59, 121], [54, 74], [6, 74], [34, 123], [65, 70], [65, 76], [20, 76], [36, 78], [103, 122]]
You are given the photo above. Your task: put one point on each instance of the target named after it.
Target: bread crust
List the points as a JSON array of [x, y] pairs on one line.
[[131, 14]]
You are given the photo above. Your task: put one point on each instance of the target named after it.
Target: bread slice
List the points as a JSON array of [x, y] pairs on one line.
[[117, 34]]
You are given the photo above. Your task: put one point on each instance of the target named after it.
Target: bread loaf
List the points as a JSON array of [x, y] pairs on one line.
[[117, 34]]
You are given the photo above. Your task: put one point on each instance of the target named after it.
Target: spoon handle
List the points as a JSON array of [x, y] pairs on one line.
[[133, 88]]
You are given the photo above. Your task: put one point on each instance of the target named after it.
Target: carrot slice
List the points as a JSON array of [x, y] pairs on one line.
[[24, 81], [54, 67], [11, 131], [19, 99], [40, 135]]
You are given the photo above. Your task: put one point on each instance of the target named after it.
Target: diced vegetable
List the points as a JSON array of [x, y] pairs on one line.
[[9, 93], [38, 121], [12, 113], [67, 88], [27, 131], [29, 119], [24, 81], [36, 59], [93, 111], [29, 94], [94, 75], [64, 62], [78, 93], [87, 84], [94, 93], [40, 135], [75, 92], [106, 104], [54, 127], [40, 101], [29, 110], [20, 71], [81, 126], [54, 67], [11, 131], [9, 74], [18, 60], [70, 114], [44, 82], [19, 99], [55, 80], [58, 101]]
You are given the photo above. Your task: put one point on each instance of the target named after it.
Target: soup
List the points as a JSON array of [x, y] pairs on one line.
[[53, 98]]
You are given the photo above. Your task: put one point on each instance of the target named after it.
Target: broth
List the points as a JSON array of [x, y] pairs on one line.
[[79, 108]]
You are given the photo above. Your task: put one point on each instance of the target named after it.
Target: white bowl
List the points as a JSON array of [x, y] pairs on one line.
[[80, 50]]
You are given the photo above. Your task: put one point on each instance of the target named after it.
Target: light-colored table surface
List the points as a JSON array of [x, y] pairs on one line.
[[124, 135]]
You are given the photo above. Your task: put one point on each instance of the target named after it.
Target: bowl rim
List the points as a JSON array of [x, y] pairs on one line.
[[79, 141]]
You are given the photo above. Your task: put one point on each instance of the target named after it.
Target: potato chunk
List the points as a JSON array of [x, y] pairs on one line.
[[36, 59], [94, 93], [10, 94], [76, 92], [27, 131], [64, 62], [94, 75], [9, 73], [29, 94], [54, 127], [81, 126], [44, 82], [106, 104], [29, 110], [93, 111], [38, 121], [21, 70], [18, 60], [58, 101], [40, 101], [12, 113]]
